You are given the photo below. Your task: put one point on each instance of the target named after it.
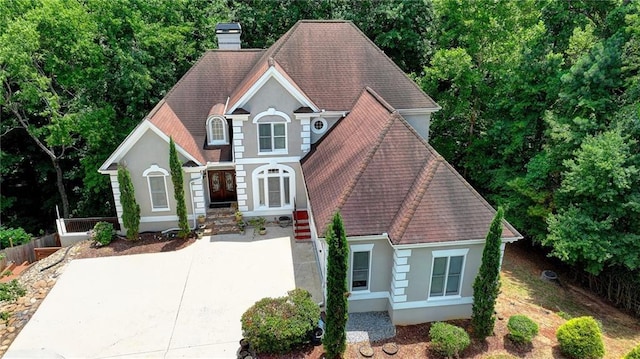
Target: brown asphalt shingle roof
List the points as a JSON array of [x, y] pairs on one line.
[[389, 180]]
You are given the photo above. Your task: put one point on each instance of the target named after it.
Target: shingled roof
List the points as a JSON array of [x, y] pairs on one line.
[[328, 61], [390, 180]]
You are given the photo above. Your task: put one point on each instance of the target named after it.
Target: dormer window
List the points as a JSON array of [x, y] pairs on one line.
[[217, 131]]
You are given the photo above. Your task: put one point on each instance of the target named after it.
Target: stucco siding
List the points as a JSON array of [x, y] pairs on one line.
[[150, 150], [299, 194], [430, 314], [381, 259], [420, 123]]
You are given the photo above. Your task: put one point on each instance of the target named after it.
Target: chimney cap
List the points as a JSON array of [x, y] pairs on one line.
[[228, 28]]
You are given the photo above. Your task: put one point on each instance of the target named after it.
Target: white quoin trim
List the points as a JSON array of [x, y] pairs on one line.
[[399, 281]]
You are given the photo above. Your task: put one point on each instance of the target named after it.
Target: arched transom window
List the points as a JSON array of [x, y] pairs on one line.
[[217, 131], [273, 187], [157, 183]]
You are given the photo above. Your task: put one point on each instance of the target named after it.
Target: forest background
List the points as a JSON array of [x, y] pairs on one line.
[[540, 101]]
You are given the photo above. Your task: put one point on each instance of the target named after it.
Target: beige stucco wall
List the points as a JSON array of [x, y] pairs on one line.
[[420, 274], [420, 123], [381, 263], [272, 95], [151, 149], [430, 314]]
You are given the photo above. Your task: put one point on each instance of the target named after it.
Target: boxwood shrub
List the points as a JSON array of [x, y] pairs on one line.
[[103, 233], [448, 340], [634, 353], [581, 338], [277, 325], [522, 329]]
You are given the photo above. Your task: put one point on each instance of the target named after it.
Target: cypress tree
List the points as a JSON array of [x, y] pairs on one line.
[[178, 189], [487, 284], [130, 208], [335, 337]]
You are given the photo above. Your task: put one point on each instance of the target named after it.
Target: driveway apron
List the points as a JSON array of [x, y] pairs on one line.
[[186, 303]]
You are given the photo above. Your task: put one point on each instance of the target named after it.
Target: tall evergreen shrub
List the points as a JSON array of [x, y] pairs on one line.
[[178, 189], [335, 337], [487, 284], [130, 208]]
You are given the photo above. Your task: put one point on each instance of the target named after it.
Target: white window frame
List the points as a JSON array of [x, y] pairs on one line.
[[153, 172], [262, 172], [225, 131], [360, 248], [325, 125], [272, 117], [448, 254]]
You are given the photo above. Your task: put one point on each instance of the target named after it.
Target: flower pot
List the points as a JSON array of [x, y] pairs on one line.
[[262, 231], [201, 219], [200, 234]]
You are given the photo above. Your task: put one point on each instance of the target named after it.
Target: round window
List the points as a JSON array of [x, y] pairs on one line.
[[319, 125]]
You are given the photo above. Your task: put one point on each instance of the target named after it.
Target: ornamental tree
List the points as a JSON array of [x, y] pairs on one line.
[[130, 208], [178, 189], [487, 284], [335, 337]]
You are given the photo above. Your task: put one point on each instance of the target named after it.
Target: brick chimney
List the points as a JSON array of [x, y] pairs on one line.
[[229, 36]]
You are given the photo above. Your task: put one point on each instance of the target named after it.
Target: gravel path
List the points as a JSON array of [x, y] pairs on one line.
[[369, 326]]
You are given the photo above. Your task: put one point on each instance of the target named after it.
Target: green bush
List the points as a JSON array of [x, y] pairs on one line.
[[581, 338], [13, 236], [448, 340], [277, 325], [11, 291], [634, 353], [103, 233], [522, 329]]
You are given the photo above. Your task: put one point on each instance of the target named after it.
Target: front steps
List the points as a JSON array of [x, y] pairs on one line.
[[220, 221], [301, 229]]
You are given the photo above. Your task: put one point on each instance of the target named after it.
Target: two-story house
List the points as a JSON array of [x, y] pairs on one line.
[[320, 121]]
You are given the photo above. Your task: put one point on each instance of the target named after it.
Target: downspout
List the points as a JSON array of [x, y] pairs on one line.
[[193, 204]]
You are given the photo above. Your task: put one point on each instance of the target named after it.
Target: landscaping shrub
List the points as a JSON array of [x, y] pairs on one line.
[[634, 353], [13, 236], [11, 291], [448, 340], [277, 325], [103, 233], [522, 329], [581, 338]]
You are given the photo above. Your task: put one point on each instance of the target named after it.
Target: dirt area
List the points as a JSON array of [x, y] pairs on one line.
[[523, 292], [148, 243]]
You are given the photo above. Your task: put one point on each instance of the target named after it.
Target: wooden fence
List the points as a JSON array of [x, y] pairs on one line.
[[75, 225], [25, 253]]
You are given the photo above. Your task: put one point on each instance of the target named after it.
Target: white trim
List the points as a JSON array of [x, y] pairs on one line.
[[154, 168], [275, 74], [364, 295], [448, 253], [267, 160], [418, 111], [273, 151], [225, 131], [324, 128], [360, 248], [133, 138], [263, 172], [154, 219], [431, 303], [271, 111], [465, 242]]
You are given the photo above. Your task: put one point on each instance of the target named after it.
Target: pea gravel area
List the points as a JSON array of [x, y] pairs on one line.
[[369, 327]]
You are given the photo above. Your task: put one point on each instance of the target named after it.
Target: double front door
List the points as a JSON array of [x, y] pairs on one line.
[[222, 186]]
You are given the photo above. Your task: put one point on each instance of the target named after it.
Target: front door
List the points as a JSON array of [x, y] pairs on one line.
[[222, 186]]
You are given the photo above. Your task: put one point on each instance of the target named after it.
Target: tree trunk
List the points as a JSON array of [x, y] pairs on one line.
[[61, 189]]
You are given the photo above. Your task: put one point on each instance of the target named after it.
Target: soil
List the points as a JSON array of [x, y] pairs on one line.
[[148, 243]]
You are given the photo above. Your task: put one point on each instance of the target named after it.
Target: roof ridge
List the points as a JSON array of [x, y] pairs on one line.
[[414, 197], [342, 199], [156, 108]]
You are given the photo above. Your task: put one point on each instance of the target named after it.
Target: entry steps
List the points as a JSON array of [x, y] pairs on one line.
[[301, 229]]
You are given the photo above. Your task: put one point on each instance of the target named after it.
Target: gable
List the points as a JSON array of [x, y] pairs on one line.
[[271, 93]]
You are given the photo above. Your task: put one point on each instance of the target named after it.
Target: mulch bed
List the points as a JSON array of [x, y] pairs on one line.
[[148, 243]]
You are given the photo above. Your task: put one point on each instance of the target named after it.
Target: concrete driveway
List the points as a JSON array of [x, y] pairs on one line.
[[186, 303]]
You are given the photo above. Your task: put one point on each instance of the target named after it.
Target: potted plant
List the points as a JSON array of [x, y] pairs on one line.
[[201, 218], [241, 226], [258, 224], [200, 233], [238, 216]]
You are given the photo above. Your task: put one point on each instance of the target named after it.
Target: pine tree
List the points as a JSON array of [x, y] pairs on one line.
[[335, 337], [178, 189], [130, 208], [487, 284]]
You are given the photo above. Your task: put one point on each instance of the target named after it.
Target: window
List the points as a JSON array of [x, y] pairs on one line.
[[217, 131], [273, 186], [272, 131], [446, 273], [157, 182], [273, 137], [361, 267], [319, 126]]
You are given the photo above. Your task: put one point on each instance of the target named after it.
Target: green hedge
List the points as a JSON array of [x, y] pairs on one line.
[[634, 353], [103, 233], [448, 340], [581, 338], [278, 325], [522, 329]]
